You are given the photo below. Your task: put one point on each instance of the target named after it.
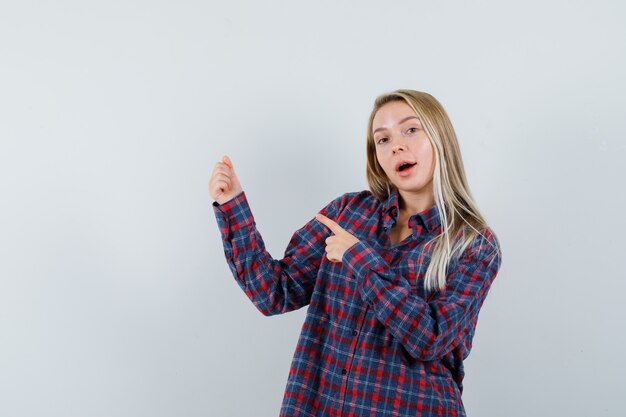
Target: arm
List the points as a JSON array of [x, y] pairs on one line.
[[274, 286], [427, 330]]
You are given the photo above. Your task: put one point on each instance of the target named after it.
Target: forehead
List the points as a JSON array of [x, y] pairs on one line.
[[392, 113]]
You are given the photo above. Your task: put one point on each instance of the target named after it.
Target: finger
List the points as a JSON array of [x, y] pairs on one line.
[[227, 161], [220, 166], [334, 227], [224, 179], [227, 166], [220, 175], [221, 186], [222, 171]]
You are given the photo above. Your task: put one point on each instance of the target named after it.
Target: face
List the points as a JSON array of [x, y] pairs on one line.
[[399, 138]]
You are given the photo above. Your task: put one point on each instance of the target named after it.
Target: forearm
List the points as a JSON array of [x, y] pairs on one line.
[[428, 330], [274, 286]]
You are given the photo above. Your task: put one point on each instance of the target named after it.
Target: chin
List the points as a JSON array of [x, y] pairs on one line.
[[413, 188]]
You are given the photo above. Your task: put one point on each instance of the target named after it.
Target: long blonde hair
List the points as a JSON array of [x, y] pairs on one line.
[[461, 220]]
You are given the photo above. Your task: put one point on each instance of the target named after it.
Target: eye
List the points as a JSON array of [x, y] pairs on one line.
[[381, 140], [411, 130]]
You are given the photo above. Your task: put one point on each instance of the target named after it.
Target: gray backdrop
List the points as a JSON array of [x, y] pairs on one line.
[[115, 296]]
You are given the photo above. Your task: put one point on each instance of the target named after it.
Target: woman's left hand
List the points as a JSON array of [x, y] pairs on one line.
[[337, 244]]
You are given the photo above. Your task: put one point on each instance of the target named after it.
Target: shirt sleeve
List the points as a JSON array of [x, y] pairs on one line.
[[427, 330], [274, 286]]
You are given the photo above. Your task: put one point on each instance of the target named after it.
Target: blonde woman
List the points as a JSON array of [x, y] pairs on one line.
[[394, 276]]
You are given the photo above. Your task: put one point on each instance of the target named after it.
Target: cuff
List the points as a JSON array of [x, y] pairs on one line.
[[360, 259], [234, 214]]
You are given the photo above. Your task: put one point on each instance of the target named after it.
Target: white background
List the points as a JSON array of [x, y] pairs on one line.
[[115, 296]]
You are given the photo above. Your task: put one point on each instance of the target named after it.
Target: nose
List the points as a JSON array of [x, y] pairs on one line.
[[397, 148]]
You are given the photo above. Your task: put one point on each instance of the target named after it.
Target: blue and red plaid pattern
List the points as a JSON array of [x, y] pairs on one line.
[[374, 342]]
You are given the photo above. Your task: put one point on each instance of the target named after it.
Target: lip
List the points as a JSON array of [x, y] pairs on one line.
[[406, 172], [401, 162]]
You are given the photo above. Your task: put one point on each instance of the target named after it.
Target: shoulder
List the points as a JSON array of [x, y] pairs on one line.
[[354, 200], [486, 246]]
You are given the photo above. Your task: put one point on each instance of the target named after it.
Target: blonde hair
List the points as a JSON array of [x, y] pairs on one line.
[[461, 220]]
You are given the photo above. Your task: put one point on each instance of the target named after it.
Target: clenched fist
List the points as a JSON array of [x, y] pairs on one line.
[[224, 184]]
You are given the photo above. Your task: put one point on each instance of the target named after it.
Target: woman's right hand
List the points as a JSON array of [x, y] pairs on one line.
[[224, 184]]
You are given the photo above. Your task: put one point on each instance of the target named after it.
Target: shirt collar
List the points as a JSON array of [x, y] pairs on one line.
[[429, 218]]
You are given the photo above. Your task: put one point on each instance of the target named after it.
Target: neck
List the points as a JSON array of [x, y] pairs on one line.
[[415, 202]]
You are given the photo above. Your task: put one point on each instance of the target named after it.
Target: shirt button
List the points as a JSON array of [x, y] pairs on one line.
[[354, 333], [344, 371]]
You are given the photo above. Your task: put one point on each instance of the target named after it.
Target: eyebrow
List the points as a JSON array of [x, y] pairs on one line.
[[400, 122]]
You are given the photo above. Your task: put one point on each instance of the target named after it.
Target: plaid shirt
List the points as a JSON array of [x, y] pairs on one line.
[[373, 343]]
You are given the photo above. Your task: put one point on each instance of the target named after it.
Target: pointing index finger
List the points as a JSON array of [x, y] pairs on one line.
[[331, 224]]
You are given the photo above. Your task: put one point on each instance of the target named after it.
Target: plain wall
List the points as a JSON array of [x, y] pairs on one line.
[[115, 296]]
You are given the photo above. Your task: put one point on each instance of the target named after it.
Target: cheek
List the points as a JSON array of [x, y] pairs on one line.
[[429, 161], [383, 162], [380, 160], [426, 153]]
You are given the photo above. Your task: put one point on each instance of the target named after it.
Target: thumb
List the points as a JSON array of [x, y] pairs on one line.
[[228, 162]]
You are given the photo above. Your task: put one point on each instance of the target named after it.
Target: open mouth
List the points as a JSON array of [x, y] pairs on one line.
[[404, 167]]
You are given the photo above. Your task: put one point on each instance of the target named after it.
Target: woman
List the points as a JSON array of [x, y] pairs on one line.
[[394, 276]]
